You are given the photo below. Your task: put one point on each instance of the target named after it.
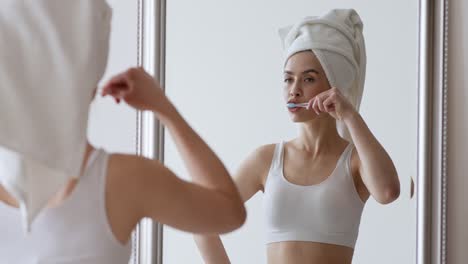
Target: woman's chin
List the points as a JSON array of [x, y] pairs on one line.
[[301, 118]]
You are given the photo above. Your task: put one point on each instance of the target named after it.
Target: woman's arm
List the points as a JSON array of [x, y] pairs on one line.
[[211, 203], [249, 180], [374, 165]]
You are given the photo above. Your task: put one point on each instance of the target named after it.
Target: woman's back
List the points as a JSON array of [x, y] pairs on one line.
[[76, 231]]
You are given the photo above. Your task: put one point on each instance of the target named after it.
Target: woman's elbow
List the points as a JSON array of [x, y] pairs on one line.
[[241, 216], [234, 216], [389, 194], [238, 216]]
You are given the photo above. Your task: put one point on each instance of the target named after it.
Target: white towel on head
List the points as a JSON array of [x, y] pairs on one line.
[[337, 41], [52, 55]]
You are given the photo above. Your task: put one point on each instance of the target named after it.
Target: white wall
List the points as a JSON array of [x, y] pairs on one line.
[[112, 126], [457, 135], [224, 74]]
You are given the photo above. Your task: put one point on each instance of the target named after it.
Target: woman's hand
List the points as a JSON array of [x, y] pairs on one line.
[[138, 89], [332, 101]]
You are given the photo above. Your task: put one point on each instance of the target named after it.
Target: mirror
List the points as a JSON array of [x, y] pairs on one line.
[[224, 70], [117, 133]]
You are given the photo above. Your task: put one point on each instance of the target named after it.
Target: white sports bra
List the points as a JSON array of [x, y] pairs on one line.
[[328, 212]]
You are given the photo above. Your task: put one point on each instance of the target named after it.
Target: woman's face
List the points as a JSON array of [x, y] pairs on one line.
[[304, 78]]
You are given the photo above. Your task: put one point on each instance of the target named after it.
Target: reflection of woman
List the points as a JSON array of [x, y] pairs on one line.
[[91, 219], [316, 185]]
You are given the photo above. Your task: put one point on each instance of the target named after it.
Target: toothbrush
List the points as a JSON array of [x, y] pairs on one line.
[[293, 105]]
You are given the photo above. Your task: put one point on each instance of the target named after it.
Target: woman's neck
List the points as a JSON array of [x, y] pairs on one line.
[[319, 135]]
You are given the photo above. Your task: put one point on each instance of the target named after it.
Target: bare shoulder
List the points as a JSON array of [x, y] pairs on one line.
[[261, 157], [117, 170], [253, 171], [129, 173], [264, 154], [126, 162], [124, 172], [122, 187]]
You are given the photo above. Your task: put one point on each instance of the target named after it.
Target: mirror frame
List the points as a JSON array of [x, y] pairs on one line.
[[431, 183], [147, 239], [431, 187]]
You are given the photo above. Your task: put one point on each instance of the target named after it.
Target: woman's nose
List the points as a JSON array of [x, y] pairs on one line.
[[295, 94], [295, 91]]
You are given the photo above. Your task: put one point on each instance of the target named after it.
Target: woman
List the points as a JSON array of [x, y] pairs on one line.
[[316, 185], [91, 219]]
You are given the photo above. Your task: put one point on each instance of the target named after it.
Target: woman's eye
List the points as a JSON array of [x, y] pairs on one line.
[[288, 80], [309, 79]]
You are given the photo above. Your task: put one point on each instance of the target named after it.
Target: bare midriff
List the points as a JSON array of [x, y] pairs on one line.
[[298, 252]]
